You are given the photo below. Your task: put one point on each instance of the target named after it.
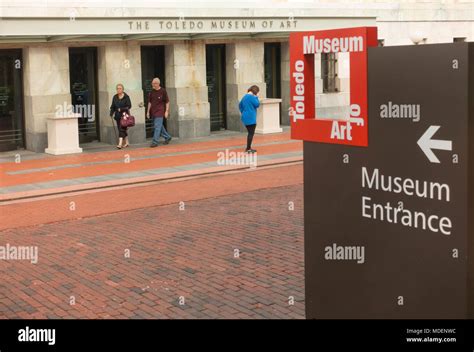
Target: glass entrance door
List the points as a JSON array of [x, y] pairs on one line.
[[272, 59], [153, 65], [11, 101], [216, 85], [83, 80]]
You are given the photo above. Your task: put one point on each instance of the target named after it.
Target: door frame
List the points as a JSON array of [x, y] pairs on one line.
[[94, 50], [143, 48], [223, 76], [19, 52], [276, 75]]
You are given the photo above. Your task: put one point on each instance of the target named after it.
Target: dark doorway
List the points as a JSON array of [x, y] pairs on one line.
[[83, 80], [11, 101], [272, 59], [216, 85], [153, 65]]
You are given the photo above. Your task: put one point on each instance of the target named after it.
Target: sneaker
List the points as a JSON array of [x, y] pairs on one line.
[[167, 140], [153, 145], [252, 151]]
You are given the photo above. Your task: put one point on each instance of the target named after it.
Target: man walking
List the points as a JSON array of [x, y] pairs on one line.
[[158, 107]]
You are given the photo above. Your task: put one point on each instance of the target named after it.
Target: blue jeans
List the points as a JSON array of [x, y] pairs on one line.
[[159, 129]]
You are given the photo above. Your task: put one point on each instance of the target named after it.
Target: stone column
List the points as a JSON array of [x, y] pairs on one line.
[[285, 83], [120, 63], [244, 67], [343, 73], [46, 91], [185, 72]]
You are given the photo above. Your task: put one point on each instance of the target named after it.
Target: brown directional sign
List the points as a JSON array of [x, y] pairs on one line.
[[389, 228]]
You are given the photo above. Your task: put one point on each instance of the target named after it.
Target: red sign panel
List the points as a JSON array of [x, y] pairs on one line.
[[305, 124]]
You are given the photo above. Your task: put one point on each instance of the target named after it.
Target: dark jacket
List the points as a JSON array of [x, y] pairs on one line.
[[123, 104]]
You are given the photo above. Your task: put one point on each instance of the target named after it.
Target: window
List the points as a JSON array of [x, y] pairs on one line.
[[272, 59], [459, 39], [329, 72]]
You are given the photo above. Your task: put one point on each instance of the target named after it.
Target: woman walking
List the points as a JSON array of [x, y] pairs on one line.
[[120, 104], [248, 108]]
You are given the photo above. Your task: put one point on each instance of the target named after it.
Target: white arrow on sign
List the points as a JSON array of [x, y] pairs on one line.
[[426, 144]]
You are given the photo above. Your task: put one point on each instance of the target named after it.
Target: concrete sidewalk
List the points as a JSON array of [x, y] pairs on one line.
[[101, 166]]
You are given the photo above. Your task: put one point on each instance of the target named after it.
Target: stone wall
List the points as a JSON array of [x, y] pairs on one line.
[[185, 69]]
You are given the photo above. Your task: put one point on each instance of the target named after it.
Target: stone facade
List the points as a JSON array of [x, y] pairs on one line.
[[244, 68], [46, 62], [185, 65], [120, 63], [46, 85]]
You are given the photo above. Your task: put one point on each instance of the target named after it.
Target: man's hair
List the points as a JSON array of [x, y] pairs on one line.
[[156, 79], [254, 89]]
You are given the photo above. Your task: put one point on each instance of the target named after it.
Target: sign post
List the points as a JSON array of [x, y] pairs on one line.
[[389, 221]]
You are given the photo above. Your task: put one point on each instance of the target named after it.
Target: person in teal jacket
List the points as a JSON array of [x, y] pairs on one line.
[[248, 108]]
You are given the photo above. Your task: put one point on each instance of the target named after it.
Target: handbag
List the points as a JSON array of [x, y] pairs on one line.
[[127, 120]]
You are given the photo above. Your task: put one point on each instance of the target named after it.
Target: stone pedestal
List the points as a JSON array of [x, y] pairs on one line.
[[63, 137], [268, 116]]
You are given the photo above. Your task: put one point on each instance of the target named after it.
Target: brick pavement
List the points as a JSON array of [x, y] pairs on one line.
[[174, 253], [89, 203]]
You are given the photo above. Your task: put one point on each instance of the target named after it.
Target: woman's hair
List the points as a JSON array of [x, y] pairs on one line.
[[119, 85], [254, 89]]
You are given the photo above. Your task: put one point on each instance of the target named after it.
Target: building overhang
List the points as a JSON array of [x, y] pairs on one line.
[[18, 30]]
